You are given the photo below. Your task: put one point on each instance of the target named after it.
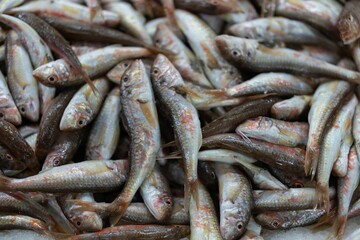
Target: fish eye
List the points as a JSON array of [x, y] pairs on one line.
[[235, 52], [298, 185], [56, 162], [125, 78], [126, 64], [2, 115], [248, 54], [213, 176], [156, 71], [78, 223], [22, 109], [52, 78], [168, 202], [275, 223], [239, 226], [9, 157], [157, 41], [350, 18], [80, 122]]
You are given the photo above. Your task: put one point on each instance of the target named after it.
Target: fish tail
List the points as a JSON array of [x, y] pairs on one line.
[[194, 191], [322, 196], [339, 226], [87, 79], [117, 210], [5, 184], [310, 157], [84, 205], [325, 220], [95, 11]]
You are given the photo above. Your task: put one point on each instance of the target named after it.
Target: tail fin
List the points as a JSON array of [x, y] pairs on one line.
[[325, 220], [94, 12], [89, 206], [194, 191], [322, 197], [311, 156], [119, 208], [339, 226]]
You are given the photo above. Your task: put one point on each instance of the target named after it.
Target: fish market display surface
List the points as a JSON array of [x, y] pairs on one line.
[[180, 119]]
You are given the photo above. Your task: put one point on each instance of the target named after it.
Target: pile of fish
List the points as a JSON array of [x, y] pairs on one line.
[[175, 119]]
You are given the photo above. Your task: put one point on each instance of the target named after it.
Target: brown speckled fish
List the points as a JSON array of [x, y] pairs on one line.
[[349, 22]]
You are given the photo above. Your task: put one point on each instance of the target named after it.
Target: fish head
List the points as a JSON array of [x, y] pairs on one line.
[[237, 50], [53, 159], [11, 114], [237, 218], [30, 108], [164, 74], [135, 83], [76, 117], [224, 6], [349, 27], [120, 166], [246, 30], [163, 36], [87, 221], [55, 73], [118, 71], [271, 220], [163, 204]]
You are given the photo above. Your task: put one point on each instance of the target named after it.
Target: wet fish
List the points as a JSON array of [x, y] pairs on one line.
[[275, 131], [23, 222], [155, 191], [8, 110], [68, 10], [184, 117], [330, 149], [84, 106], [286, 200], [231, 119], [348, 23], [49, 124], [289, 219], [141, 120], [291, 109], [60, 74], [105, 132], [207, 6], [88, 176], [292, 180], [8, 4], [22, 84], [55, 41], [201, 39], [286, 158], [249, 54], [340, 166], [20, 149], [268, 83], [235, 201], [279, 29]]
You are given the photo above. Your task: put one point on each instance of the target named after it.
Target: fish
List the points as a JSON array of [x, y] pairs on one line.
[[102, 175], [68, 10], [200, 36], [94, 9], [348, 22], [281, 157], [235, 201], [280, 29], [203, 219], [8, 4], [84, 106], [272, 83], [231, 119], [320, 53], [56, 42], [207, 6], [245, 11], [286, 200], [289, 219], [60, 74], [155, 191], [8, 110], [330, 149], [22, 84], [140, 117], [105, 131], [340, 165], [249, 54], [327, 98], [184, 117], [292, 180], [279, 132], [23, 222], [291, 109], [20, 149], [49, 124]]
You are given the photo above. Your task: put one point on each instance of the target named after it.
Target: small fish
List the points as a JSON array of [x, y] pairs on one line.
[[330, 149], [187, 129], [49, 124], [289, 219], [60, 74], [201, 39], [203, 219], [268, 83], [292, 180], [245, 11], [340, 166], [23, 222], [84, 106], [68, 10], [88, 176], [105, 132], [349, 22], [279, 132], [9, 164], [140, 117], [155, 191], [9, 4], [286, 200], [8, 110], [231, 119], [279, 29], [55, 41], [249, 54], [207, 6], [286, 158], [235, 201], [22, 84], [291, 109]]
